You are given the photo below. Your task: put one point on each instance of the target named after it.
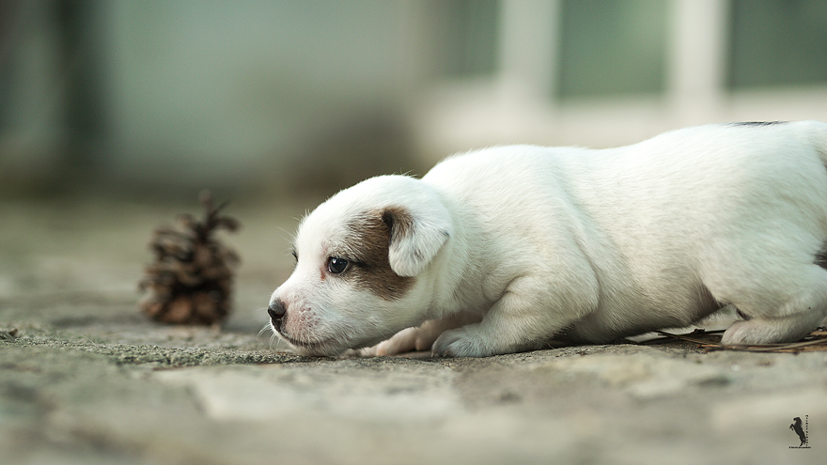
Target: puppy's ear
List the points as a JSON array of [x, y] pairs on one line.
[[415, 238]]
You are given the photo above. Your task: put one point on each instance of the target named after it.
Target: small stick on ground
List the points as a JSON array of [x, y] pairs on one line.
[[711, 340]]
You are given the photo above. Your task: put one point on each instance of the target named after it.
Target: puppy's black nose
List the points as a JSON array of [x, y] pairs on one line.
[[276, 311]]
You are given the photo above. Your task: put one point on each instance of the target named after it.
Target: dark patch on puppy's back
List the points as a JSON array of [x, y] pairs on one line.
[[821, 257], [757, 123], [369, 239]]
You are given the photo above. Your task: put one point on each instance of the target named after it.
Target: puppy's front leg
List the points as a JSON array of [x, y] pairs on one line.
[[422, 337], [525, 318]]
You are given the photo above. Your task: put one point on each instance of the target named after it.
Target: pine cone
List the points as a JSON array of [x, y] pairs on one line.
[[191, 279]]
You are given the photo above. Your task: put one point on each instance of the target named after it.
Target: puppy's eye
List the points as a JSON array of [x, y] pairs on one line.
[[336, 265]]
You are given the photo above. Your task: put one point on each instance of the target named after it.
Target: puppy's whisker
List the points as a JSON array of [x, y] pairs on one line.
[[274, 340], [262, 310], [266, 328], [291, 237]]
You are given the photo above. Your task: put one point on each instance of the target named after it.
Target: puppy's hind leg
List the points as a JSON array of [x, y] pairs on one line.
[[799, 315], [771, 330]]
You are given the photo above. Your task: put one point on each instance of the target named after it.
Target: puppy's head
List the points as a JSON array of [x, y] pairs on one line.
[[360, 262]]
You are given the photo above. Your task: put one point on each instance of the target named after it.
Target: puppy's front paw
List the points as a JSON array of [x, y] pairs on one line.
[[399, 343], [460, 342], [407, 340]]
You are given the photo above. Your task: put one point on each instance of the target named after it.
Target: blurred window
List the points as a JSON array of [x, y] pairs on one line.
[[777, 42], [612, 47], [468, 36]]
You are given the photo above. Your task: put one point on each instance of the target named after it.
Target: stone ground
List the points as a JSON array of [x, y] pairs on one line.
[[85, 379]]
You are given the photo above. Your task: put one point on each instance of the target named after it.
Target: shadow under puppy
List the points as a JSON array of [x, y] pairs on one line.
[[508, 248]]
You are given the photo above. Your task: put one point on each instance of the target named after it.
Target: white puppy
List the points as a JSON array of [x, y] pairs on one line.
[[508, 248]]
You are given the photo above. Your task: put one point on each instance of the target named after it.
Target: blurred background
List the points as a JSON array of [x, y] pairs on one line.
[[286, 98]]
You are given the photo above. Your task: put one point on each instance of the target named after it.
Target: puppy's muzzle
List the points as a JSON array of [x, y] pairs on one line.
[[276, 310]]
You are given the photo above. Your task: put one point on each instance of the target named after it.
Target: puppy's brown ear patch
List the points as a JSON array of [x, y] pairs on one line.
[[415, 239], [369, 243], [391, 246]]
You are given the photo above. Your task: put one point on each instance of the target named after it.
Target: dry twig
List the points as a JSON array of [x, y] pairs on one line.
[[711, 340]]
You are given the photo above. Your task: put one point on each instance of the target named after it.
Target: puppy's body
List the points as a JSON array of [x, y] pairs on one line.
[[507, 248]]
